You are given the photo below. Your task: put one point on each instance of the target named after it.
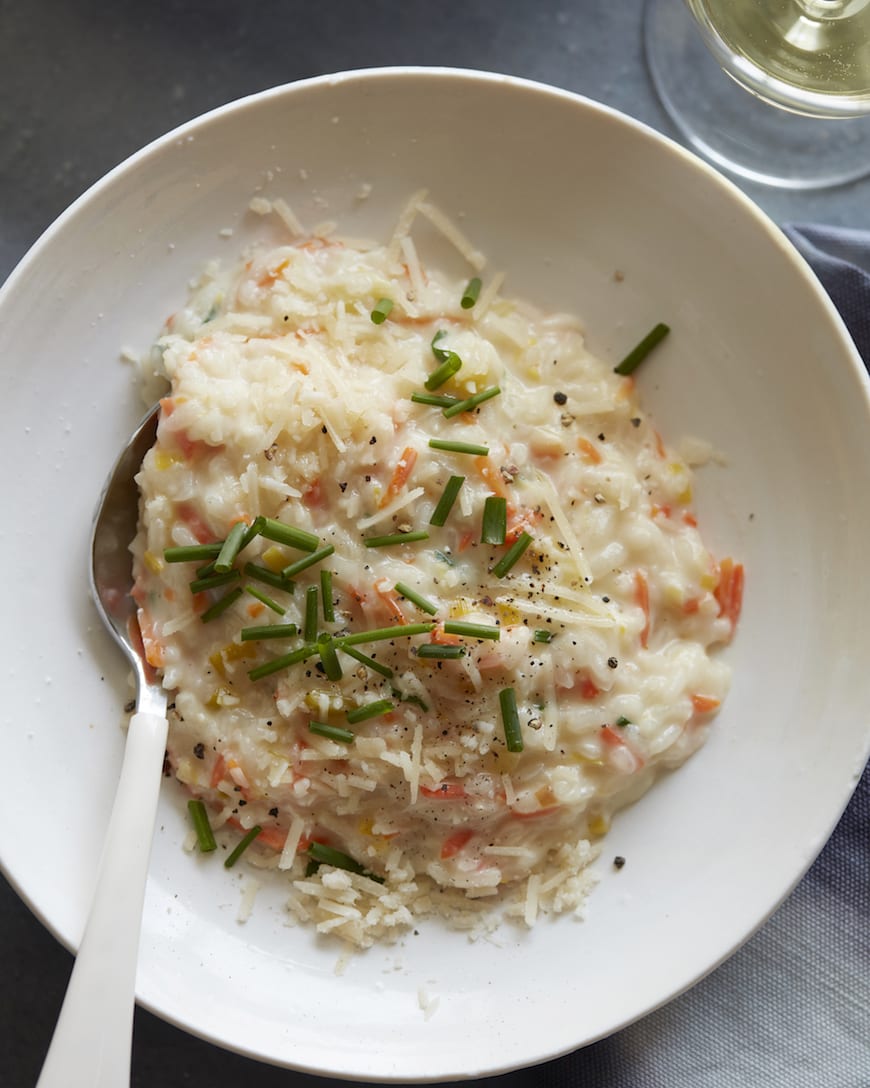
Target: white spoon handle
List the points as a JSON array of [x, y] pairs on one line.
[[92, 1041]]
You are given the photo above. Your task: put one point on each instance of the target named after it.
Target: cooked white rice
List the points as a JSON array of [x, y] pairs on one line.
[[289, 402]]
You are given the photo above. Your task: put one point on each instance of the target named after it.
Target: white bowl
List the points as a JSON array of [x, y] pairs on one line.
[[562, 193]]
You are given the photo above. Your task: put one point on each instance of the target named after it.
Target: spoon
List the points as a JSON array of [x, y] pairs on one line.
[[91, 1045]]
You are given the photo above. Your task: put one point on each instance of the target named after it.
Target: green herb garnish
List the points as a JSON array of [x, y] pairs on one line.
[[512, 555], [204, 834], [381, 310], [458, 447], [637, 355], [510, 719], [472, 630], [303, 541], [395, 538], [448, 498], [222, 605], [471, 293], [242, 846], [191, 553], [415, 598], [494, 528], [331, 732], [471, 402], [443, 373], [263, 598], [370, 710]]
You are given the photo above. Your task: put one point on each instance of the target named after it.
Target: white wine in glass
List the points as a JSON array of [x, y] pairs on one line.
[[810, 58]]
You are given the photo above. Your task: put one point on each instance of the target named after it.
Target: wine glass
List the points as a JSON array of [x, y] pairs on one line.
[[810, 58]]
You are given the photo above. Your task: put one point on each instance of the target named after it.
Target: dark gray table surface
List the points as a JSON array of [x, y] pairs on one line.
[[85, 83]]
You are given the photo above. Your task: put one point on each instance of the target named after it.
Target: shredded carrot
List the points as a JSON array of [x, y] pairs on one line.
[[729, 591], [589, 451], [444, 791], [218, 771], [465, 541], [520, 520], [153, 647], [611, 737], [167, 406], [268, 278], [491, 476], [403, 469], [454, 843], [190, 517], [691, 605], [588, 688], [690, 519], [255, 608], [388, 595], [641, 596], [273, 837], [440, 636], [313, 494], [626, 387], [704, 704], [664, 510]]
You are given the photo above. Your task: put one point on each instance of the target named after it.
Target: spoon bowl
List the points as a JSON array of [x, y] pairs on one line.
[[91, 1045]]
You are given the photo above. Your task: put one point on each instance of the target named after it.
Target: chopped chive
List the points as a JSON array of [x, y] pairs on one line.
[[363, 659], [512, 555], [382, 634], [472, 630], [191, 552], [268, 577], [242, 846], [369, 710], [437, 400], [471, 402], [204, 834], [510, 719], [621, 720], [327, 855], [213, 581], [267, 631], [204, 572], [542, 636], [266, 600], [451, 365], [254, 529], [230, 548], [326, 596], [444, 558], [395, 538], [458, 447], [439, 353], [303, 541], [637, 355], [448, 498], [471, 293], [381, 310], [222, 605], [329, 658], [494, 528], [283, 662], [415, 699], [415, 598], [309, 626], [440, 651], [331, 732], [292, 569]]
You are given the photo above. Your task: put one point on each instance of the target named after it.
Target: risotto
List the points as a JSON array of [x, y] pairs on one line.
[[423, 580]]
